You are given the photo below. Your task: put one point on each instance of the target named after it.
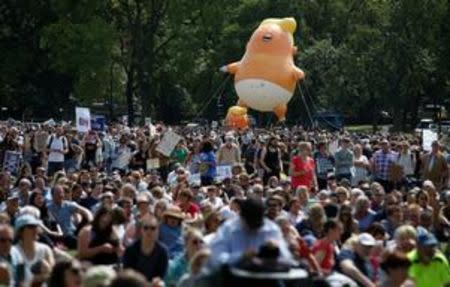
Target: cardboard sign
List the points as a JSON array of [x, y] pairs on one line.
[[83, 119], [428, 136], [168, 143], [11, 161], [152, 163]]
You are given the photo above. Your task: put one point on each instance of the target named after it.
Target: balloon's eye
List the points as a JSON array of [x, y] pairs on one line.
[[267, 37]]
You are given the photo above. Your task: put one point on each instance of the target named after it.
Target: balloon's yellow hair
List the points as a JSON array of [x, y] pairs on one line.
[[287, 24]]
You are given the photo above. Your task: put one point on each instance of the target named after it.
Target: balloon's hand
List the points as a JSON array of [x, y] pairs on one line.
[[223, 69]]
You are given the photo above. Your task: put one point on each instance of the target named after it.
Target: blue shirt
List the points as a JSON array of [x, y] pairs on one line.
[[210, 159], [343, 161], [362, 264], [366, 221], [172, 238], [233, 239], [63, 215]]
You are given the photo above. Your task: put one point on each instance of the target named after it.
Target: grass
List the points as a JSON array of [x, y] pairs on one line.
[[359, 128]]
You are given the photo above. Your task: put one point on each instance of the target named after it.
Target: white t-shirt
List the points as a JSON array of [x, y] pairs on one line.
[[56, 143], [18, 255]]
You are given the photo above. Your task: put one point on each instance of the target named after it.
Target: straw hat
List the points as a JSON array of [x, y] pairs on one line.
[[174, 211]]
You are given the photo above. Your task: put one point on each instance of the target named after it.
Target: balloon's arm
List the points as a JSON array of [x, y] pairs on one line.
[[299, 74], [230, 68]]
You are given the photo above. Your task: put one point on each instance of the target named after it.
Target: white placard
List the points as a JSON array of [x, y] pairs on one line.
[[428, 136], [195, 178], [333, 147], [168, 143], [223, 172], [152, 163], [11, 161], [83, 119]]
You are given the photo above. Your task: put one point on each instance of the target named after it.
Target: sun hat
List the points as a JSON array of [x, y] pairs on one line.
[[26, 220], [366, 239]]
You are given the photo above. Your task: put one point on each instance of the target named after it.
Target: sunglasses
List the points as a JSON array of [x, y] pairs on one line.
[[6, 240], [75, 270], [149, 227], [197, 242]]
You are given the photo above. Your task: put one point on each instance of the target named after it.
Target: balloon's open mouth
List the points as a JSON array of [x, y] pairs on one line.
[[267, 37]]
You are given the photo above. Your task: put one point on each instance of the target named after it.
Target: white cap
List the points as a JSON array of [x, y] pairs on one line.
[[366, 239]]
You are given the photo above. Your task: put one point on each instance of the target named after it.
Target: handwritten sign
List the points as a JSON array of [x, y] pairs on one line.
[[168, 143]]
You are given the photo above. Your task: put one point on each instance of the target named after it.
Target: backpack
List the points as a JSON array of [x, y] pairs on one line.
[[51, 141]]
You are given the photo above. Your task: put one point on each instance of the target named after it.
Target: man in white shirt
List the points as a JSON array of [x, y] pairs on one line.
[[212, 198], [57, 147], [229, 153]]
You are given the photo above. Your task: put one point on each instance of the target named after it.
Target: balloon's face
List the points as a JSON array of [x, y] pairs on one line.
[[236, 118], [270, 39]]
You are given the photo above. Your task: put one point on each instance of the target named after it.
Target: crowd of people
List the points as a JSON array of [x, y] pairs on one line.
[[109, 208]]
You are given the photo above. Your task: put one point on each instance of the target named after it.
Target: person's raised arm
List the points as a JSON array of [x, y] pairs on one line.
[[84, 212], [350, 269]]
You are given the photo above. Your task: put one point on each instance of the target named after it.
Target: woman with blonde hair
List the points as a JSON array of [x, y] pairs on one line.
[[404, 239], [179, 266]]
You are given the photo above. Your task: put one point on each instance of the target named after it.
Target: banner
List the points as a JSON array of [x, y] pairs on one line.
[[98, 123], [168, 143], [11, 162], [83, 119], [428, 136]]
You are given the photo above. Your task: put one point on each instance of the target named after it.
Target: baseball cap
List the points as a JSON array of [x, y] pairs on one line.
[[425, 238], [366, 239]]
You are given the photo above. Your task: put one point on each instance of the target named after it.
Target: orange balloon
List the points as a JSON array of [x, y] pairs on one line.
[[237, 118]]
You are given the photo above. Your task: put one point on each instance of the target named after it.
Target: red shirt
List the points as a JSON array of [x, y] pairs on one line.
[[308, 167], [192, 209], [326, 248]]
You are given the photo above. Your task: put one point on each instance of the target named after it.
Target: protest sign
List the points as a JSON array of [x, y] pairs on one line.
[[83, 119], [98, 123], [223, 172], [168, 143], [333, 147], [194, 178], [152, 163], [11, 161], [428, 136]]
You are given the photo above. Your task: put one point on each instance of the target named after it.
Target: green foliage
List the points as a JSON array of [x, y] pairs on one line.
[[162, 57]]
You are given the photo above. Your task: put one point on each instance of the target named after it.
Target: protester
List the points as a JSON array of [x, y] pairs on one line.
[[99, 243], [147, 255], [332, 213]]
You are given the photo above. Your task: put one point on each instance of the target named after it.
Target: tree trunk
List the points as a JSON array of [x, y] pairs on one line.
[[129, 95]]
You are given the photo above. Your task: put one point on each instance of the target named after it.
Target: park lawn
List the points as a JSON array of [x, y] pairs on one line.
[[359, 128]]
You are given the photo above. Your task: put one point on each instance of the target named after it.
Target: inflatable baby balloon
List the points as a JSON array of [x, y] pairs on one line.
[[266, 76], [237, 118]]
